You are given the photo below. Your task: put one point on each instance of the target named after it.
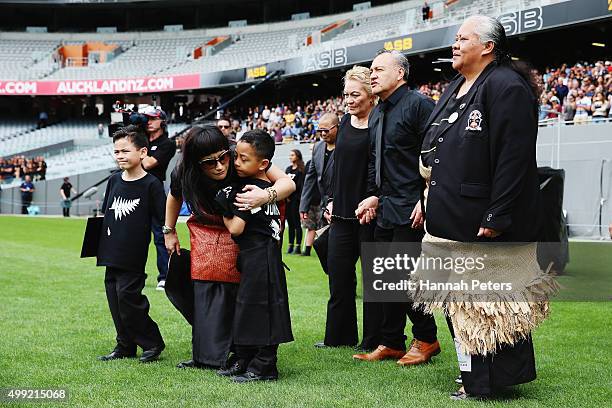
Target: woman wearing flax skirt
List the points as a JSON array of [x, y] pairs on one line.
[[479, 160]]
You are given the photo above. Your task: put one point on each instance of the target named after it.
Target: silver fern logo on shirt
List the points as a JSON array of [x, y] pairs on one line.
[[123, 207]]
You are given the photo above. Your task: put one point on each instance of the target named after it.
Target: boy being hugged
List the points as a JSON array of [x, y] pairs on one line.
[[133, 200], [261, 319]]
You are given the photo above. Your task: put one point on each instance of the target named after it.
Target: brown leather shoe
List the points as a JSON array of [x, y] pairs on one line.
[[381, 353], [419, 353]]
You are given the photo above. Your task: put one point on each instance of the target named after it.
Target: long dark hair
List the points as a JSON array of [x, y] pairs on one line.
[[300, 160], [490, 29], [198, 190]]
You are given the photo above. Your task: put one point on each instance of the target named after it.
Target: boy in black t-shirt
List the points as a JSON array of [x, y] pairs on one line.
[[261, 319], [133, 200]]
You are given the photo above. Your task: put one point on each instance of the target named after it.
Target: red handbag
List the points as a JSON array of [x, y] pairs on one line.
[[213, 253]]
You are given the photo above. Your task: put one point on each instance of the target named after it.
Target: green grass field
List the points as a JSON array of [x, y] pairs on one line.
[[54, 322]]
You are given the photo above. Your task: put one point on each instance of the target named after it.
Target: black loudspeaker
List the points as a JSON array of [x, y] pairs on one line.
[[553, 244]]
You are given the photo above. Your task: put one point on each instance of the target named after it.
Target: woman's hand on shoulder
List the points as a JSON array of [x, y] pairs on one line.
[[251, 197]]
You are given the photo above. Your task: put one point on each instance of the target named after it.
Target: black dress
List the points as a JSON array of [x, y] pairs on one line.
[[293, 206], [213, 301]]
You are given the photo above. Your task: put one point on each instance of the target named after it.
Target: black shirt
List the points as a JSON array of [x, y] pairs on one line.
[[298, 178], [262, 222], [405, 123], [161, 149], [129, 209], [66, 187], [350, 168]]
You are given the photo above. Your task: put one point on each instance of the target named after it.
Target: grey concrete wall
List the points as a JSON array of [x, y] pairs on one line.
[[585, 153]]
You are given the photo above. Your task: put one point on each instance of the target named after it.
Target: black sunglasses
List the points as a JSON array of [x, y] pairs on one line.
[[321, 130], [223, 127], [212, 162]]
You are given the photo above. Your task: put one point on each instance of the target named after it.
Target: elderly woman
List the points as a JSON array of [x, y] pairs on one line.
[[206, 167], [479, 161]]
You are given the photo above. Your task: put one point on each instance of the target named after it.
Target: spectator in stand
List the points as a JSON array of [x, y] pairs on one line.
[[289, 118], [562, 89], [236, 128], [27, 191], [287, 132], [544, 107], [101, 130], [65, 191], [41, 168], [600, 107], [6, 170], [277, 133], [425, 11], [265, 114], [296, 172], [555, 109], [583, 107], [569, 108], [225, 128]]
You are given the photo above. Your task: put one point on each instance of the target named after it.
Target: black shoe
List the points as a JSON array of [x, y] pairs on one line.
[[298, 250], [250, 377], [193, 364], [462, 396], [151, 354], [290, 249], [116, 355], [459, 380], [234, 370]]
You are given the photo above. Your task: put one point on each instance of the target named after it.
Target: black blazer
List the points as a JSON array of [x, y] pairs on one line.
[[318, 177], [484, 171]]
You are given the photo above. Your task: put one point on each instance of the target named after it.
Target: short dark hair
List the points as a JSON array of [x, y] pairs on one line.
[[261, 141], [134, 134]]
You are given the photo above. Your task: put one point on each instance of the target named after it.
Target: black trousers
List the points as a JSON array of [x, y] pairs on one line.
[[394, 313], [66, 212], [511, 365], [25, 203], [260, 360], [293, 219], [344, 247], [130, 310]]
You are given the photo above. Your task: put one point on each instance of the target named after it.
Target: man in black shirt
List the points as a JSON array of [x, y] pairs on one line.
[[161, 151], [397, 126]]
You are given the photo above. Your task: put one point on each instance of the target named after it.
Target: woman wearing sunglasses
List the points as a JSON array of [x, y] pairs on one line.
[[206, 167]]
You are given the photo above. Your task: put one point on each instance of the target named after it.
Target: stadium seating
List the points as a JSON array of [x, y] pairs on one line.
[[250, 49], [13, 128], [168, 53], [47, 136], [22, 59]]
